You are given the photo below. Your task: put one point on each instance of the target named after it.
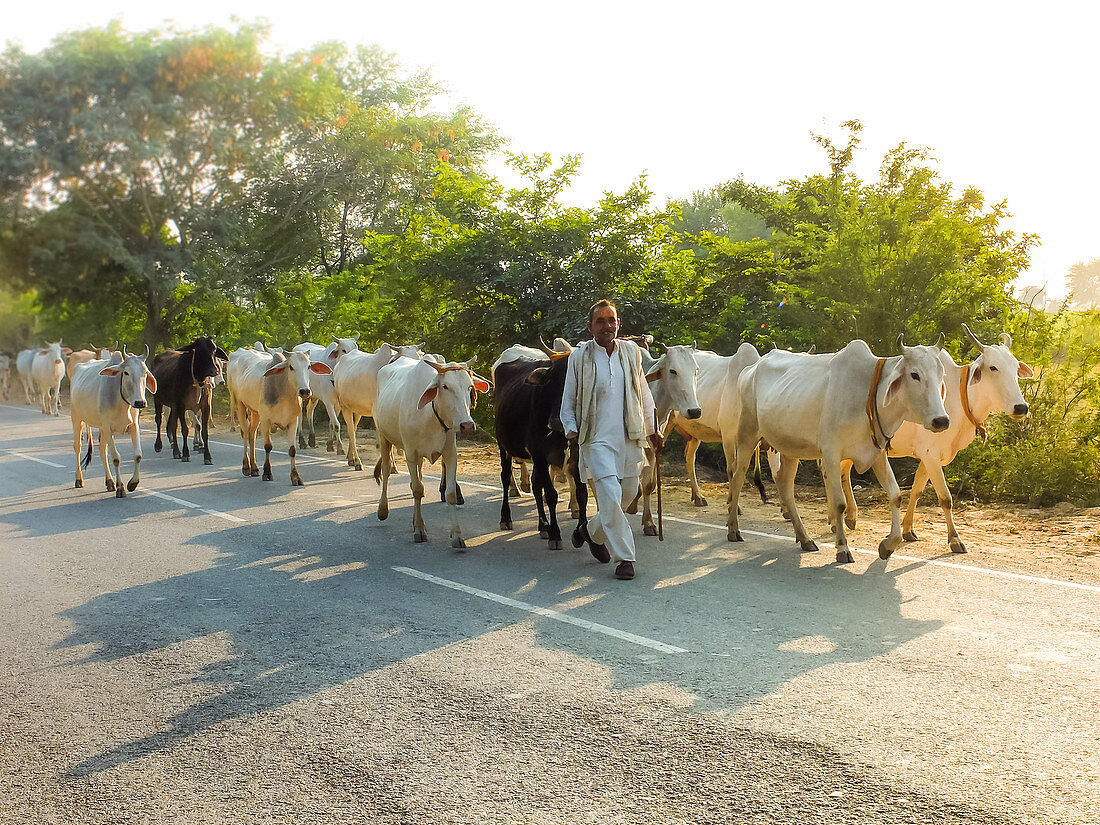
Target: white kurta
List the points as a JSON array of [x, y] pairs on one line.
[[607, 453]]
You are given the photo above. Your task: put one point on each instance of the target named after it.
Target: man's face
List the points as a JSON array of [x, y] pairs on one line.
[[604, 326]]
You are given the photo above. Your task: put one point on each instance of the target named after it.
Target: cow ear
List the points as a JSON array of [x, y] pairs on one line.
[[428, 397], [893, 390], [480, 384], [537, 376], [66, 350], [109, 371], [150, 382], [1024, 371], [655, 374], [43, 352], [976, 375], [220, 353], [277, 369], [320, 369]]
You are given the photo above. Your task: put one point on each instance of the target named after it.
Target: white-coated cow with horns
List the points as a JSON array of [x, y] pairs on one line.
[[421, 408], [108, 395], [268, 389], [323, 391], [988, 384], [47, 370], [836, 407]]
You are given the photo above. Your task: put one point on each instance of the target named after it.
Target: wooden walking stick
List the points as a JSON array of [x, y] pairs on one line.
[[657, 470]]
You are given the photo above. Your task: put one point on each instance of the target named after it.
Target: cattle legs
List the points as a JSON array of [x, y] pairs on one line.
[[443, 487], [545, 493], [943, 493], [78, 433], [507, 483], [353, 449], [248, 422], [885, 476], [135, 437], [382, 476], [449, 465]]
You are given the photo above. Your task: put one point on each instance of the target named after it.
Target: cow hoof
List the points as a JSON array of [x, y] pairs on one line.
[[909, 535], [330, 448], [383, 512], [458, 544], [544, 534], [887, 546], [79, 483], [809, 546], [506, 525], [267, 477], [844, 556], [554, 544], [110, 486], [254, 474], [132, 486], [420, 537], [297, 482], [351, 463], [157, 447], [525, 487], [574, 514], [957, 546], [186, 458], [734, 535], [649, 530], [312, 441], [120, 492], [245, 472], [699, 501], [358, 467], [850, 522], [460, 499], [208, 461]]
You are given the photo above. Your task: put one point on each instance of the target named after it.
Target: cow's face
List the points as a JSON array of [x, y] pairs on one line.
[[136, 379], [916, 382], [206, 359], [339, 347], [677, 370], [998, 371], [550, 382], [297, 367], [453, 394]]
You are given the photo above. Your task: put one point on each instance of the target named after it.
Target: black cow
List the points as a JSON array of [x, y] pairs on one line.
[[185, 382], [528, 397]]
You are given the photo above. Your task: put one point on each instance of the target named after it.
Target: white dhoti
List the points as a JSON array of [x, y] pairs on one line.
[[610, 526]]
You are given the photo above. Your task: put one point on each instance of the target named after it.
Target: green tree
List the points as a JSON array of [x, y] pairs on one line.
[[1084, 282]]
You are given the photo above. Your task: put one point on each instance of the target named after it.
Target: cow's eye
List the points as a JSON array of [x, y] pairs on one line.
[[914, 376], [444, 386], [992, 369], [672, 372]]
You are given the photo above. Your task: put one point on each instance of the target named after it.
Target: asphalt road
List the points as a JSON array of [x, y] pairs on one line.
[[220, 649]]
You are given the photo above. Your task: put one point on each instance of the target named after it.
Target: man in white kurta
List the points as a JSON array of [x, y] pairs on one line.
[[607, 405]]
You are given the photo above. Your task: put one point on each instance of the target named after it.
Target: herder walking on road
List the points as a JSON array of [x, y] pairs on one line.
[[608, 407]]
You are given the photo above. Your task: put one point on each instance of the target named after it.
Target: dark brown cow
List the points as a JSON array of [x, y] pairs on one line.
[[185, 381]]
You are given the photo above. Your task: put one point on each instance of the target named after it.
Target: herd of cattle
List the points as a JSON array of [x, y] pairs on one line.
[[843, 409]]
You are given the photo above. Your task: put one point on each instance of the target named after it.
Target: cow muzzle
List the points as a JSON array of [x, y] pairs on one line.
[[1020, 410], [467, 429], [940, 423], [304, 393], [139, 405], [694, 412]]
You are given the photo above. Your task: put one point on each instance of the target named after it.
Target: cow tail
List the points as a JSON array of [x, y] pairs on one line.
[[378, 467], [756, 474], [87, 460]]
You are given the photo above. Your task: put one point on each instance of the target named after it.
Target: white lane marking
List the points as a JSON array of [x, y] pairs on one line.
[[192, 506], [21, 409], [545, 612], [953, 565], [32, 458]]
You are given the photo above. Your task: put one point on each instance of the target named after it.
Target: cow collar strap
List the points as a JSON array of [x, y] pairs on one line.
[[873, 416], [446, 429], [978, 427]]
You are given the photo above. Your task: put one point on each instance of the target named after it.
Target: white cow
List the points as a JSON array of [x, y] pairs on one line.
[[421, 408], [356, 380], [109, 395], [834, 407], [5, 374], [323, 390], [716, 390], [672, 381], [268, 389], [47, 370], [23, 363], [83, 356], [988, 384]]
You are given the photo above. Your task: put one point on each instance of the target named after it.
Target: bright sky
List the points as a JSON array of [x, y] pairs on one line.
[[695, 93]]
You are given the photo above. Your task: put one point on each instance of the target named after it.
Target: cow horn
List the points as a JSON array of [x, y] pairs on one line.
[[940, 343], [546, 349], [355, 337], [812, 349], [1006, 340], [901, 341], [146, 355], [973, 338], [472, 359], [695, 344]]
